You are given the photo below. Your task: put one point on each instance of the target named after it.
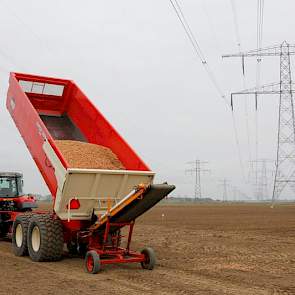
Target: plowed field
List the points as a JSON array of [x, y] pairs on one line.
[[202, 249]]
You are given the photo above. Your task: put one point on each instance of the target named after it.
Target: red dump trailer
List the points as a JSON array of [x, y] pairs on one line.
[[90, 206]]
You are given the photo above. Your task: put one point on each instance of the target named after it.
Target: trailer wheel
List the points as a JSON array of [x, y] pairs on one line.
[[19, 235], [45, 238], [150, 258], [92, 262]]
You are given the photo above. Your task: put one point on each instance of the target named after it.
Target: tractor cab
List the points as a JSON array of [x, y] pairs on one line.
[[12, 200], [12, 197], [11, 185]]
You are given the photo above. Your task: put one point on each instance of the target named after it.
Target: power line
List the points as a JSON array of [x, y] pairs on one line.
[[188, 30], [238, 147], [238, 40], [29, 29], [239, 45], [260, 20], [178, 10], [260, 10], [261, 187], [236, 24], [10, 59]]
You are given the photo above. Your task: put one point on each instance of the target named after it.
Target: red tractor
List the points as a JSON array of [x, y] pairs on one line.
[[12, 201]]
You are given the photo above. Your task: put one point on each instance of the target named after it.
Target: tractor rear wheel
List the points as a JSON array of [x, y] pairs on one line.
[[45, 238], [19, 235], [150, 258], [92, 262]]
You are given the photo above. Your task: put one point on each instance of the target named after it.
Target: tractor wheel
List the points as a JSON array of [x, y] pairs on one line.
[[92, 262], [19, 235], [150, 258], [45, 238]]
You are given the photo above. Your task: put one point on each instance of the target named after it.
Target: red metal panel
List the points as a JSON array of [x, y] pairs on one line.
[[31, 129], [46, 102]]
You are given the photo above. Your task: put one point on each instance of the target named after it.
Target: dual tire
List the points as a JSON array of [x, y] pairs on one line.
[[38, 235]]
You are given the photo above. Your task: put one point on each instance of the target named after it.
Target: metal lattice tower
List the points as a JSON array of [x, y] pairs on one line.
[[261, 187], [197, 170], [225, 184], [285, 158]]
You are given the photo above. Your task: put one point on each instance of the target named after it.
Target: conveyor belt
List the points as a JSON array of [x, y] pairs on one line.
[[153, 194]]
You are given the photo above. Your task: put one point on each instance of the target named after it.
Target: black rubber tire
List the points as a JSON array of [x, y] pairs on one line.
[[150, 256], [51, 238], [22, 220], [92, 262]]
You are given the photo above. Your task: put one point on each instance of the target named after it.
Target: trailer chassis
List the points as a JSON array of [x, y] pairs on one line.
[[109, 251]]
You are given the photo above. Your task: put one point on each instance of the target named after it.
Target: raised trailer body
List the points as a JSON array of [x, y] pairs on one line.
[[46, 109]]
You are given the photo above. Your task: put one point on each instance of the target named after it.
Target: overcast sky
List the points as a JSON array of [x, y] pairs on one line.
[[135, 63]]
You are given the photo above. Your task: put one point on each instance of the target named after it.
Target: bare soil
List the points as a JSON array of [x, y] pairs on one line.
[[87, 155], [202, 249]]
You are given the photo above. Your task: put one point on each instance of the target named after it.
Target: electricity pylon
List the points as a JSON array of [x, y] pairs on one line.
[[285, 158], [225, 184], [261, 186], [197, 170]]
